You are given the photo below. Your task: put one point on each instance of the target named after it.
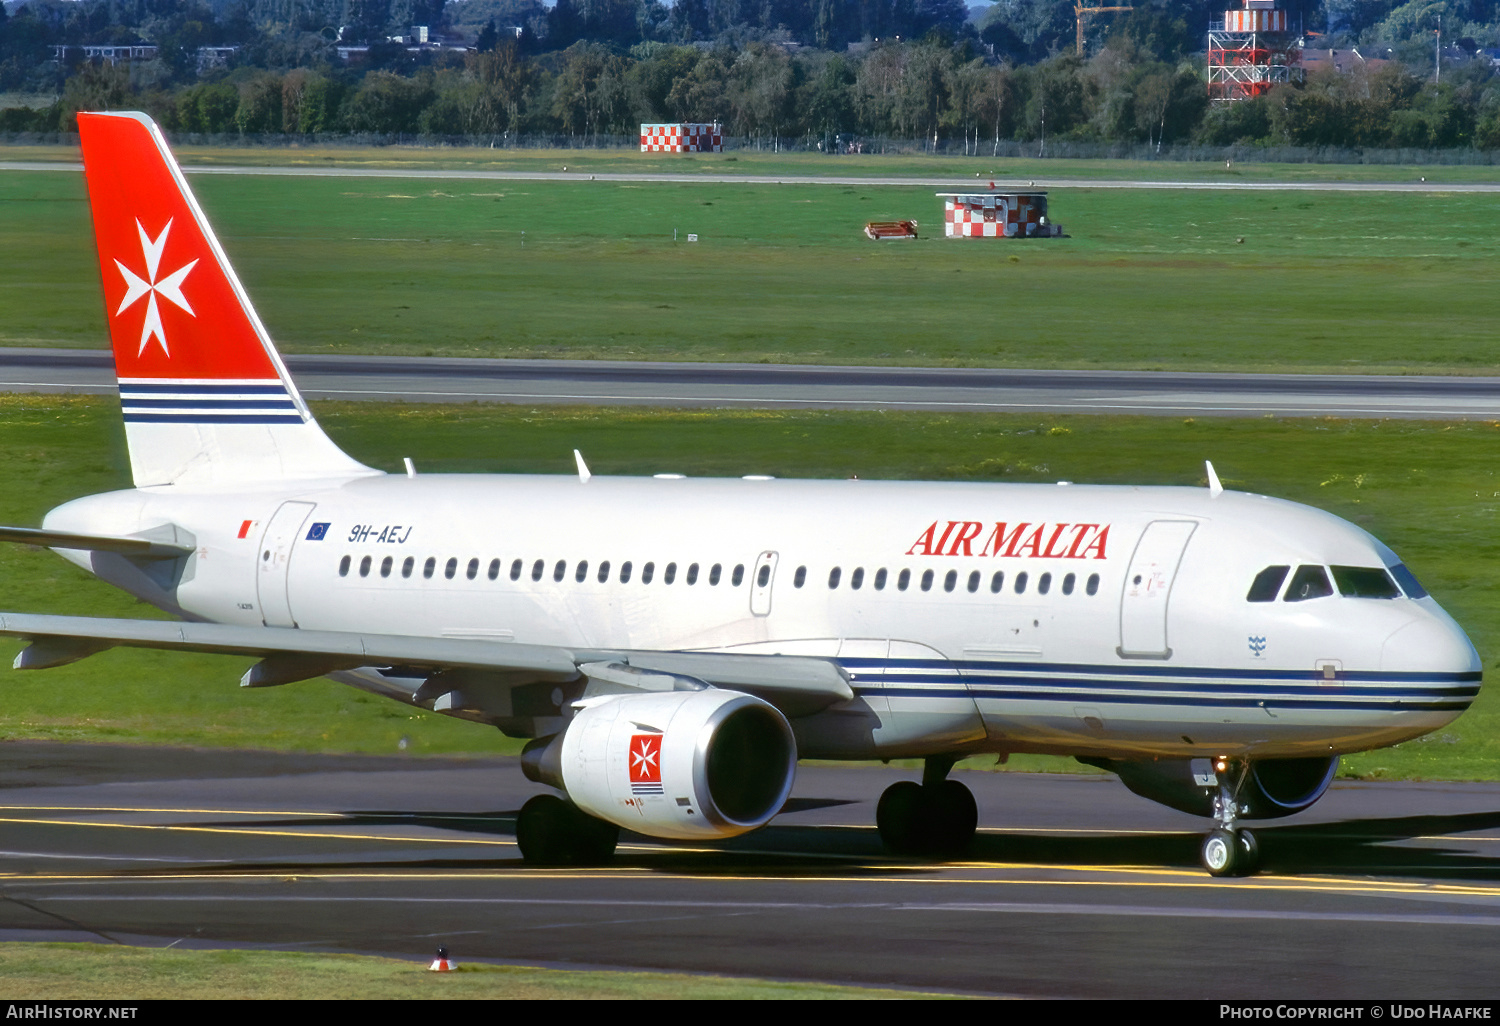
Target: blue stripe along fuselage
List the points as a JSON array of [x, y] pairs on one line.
[[1136, 685]]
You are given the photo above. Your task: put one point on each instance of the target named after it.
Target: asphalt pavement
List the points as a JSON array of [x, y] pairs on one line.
[[800, 386], [1074, 888]]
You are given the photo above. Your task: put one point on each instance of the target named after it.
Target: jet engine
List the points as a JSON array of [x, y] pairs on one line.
[[680, 764], [1274, 787]]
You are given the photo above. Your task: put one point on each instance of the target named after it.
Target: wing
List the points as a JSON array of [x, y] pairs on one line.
[[797, 685]]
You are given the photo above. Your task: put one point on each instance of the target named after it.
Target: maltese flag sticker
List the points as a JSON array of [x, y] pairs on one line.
[[645, 764]]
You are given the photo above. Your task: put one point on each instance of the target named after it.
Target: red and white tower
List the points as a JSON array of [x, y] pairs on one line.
[[1251, 50]]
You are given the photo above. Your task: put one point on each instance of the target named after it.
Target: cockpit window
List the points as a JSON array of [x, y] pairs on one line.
[[1309, 582], [1408, 581], [1267, 584], [1365, 582]]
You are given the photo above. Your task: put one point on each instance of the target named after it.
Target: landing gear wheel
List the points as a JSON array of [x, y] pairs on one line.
[[936, 821], [1248, 856], [897, 815], [1221, 853], [552, 832]]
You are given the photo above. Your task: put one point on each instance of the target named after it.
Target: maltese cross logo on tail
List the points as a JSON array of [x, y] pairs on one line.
[[645, 764], [169, 288]]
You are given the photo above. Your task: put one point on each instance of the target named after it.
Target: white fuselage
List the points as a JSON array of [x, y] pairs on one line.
[[1120, 628]]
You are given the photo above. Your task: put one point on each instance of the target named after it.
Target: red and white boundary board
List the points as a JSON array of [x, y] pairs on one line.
[[995, 215], [681, 138]]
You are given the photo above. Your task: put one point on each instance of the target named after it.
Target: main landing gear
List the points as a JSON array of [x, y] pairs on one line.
[[552, 832], [935, 818], [1229, 850]]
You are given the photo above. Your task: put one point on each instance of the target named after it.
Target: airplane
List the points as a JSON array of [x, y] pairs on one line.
[[672, 647]]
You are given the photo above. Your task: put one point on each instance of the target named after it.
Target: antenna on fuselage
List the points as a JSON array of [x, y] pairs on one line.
[[1215, 489], [583, 468]]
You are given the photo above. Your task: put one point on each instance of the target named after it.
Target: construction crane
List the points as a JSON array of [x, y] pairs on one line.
[[1079, 11]]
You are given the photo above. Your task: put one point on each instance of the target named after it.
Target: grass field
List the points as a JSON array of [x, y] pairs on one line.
[[765, 162], [1149, 279], [1428, 490], [88, 971]]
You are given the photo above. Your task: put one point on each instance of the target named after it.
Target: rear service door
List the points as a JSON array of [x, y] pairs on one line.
[[276, 559], [1148, 588]]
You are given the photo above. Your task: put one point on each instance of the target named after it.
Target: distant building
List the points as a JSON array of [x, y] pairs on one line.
[[210, 57], [104, 54]]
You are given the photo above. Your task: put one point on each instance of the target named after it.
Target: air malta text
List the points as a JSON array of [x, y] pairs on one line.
[[1025, 540]]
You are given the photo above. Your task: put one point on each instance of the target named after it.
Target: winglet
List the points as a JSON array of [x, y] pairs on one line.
[[583, 468], [1215, 489]]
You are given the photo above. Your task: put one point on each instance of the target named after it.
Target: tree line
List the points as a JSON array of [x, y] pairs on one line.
[[949, 88]]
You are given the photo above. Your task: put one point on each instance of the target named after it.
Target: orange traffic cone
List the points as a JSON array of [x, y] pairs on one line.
[[442, 964]]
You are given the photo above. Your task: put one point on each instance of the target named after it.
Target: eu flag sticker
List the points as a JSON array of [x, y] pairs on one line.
[[317, 532]]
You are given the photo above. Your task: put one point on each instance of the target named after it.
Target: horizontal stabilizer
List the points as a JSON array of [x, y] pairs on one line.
[[142, 548]]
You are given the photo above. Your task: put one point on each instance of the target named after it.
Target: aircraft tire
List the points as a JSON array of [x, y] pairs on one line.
[[956, 817], [552, 832], [1221, 853], [1248, 855], [898, 816]]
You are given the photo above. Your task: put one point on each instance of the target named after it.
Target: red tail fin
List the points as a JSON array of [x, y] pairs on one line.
[[204, 392]]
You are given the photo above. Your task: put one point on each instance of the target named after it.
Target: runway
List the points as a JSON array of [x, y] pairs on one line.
[[709, 178], [1075, 888], [796, 386]]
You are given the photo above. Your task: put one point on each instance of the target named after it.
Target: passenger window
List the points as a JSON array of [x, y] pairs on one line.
[[1365, 582], [1068, 584], [647, 572], [407, 565], [1309, 582], [1093, 586], [974, 581], [880, 579], [950, 580], [800, 577], [537, 569], [344, 567], [385, 566], [714, 572], [494, 569], [429, 566], [560, 570], [926, 580], [997, 582], [669, 574], [903, 581], [515, 570], [582, 573], [451, 567], [764, 577], [692, 574], [738, 576], [1408, 581], [604, 572], [473, 568], [1044, 584], [1267, 584], [833, 577], [625, 572], [364, 567], [857, 578], [1021, 582]]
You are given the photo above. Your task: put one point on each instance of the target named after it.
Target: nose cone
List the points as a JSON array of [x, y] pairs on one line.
[[1432, 643]]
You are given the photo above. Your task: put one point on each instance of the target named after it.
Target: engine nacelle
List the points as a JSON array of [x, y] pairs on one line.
[[1277, 787], [688, 765]]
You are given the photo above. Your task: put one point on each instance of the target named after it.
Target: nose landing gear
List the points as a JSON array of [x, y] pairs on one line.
[[1230, 850], [935, 818]]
